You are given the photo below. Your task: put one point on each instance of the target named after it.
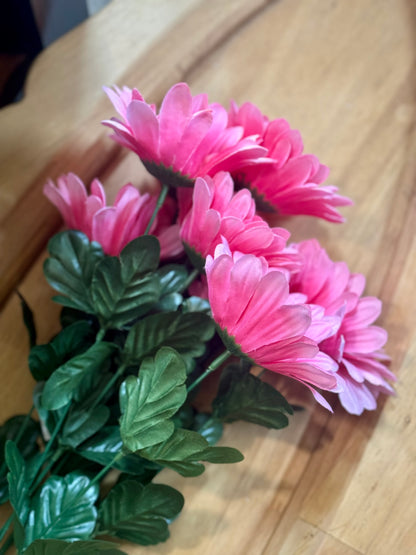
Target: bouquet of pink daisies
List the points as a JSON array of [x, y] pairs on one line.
[[158, 291]]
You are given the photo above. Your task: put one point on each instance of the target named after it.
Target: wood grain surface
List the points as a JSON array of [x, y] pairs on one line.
[[344, 74]]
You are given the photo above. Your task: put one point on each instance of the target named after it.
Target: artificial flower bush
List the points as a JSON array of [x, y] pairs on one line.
[[160, 291]]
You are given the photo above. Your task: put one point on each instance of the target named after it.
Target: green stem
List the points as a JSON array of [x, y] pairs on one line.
[[193, 275], [19, 436], [49, 445], [46, 468], [159, 203], [109, 385], [8, 543], [6, 526], [100, 335], [213, 366], [106, 469], [64, 459]]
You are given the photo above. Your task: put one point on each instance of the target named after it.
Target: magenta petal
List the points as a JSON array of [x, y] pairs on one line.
[[368, 309], [193, 134], [365, 340], [144, 125], [174, 115]]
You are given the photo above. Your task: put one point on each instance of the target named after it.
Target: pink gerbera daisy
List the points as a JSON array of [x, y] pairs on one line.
[[259, 319], [291, 185], [357, 345], [187, 138], [112, 226], [216, 213]]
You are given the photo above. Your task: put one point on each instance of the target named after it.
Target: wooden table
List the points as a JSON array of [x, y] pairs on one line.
[[341, 72]]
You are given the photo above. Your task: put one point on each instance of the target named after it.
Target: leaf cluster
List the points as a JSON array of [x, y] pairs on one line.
[[112, 394]]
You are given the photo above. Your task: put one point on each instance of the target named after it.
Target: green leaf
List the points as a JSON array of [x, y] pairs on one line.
[[196, 304], [70, 267], [82, 424], [59, 547], [27, 443], [149, 401], [186, 333], [105, 445], [183, 451], [18, 482], [28, 320], [242, 396], [72, 379], [140, 513], [71, 341], [125, 288], [63, 509], [173, 278], [210, 428]]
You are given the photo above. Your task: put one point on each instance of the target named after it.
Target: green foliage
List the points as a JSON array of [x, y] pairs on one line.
[[183, 451], [11, 429], [149, 401], [75, 377], [63, 509], [27, 444], [139, 513], [210, 428], [70, 267], [28, 320], [196, 304], [124, 288], [186, 333], [105, 445], [82, 424], [71, 341], [59, 547], [242, 396], [18, 482]]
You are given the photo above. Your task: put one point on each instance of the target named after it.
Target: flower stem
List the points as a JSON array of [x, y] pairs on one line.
[[106, 469], [109, 385], [46, 468], [49, 445], [213, 366], [159, 203], [8, 543], [6, 526], [193, 275], [100, 335]]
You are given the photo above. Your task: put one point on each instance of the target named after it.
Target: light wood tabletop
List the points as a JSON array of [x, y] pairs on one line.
[[344, 74]]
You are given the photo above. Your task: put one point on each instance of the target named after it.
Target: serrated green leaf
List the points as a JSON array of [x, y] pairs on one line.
[[173, 278], [63, 509], [59, 547], [140, 513], [105, 445], [186, 333], [82, 424], [71, 341], [125, 288], [183, 451], [150, 400], [18, 482], [242, 396], [74, 378], [70, 267], [28, 320]]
